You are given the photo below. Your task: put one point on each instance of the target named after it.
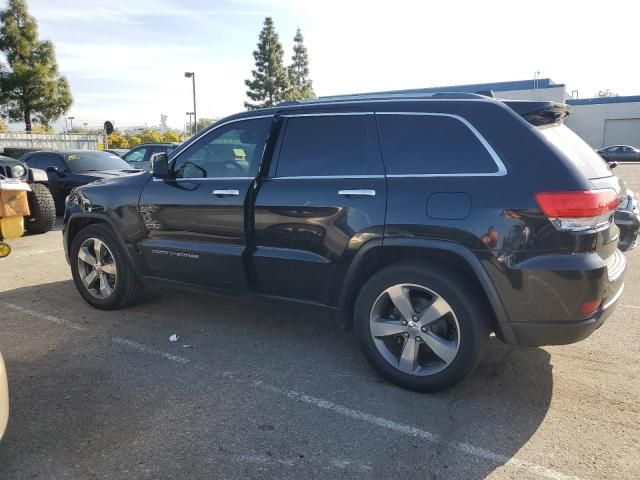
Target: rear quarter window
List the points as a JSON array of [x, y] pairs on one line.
[[576, 150], [431, 144]]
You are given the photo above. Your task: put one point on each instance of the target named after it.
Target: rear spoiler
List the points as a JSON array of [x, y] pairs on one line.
[[540, 113]]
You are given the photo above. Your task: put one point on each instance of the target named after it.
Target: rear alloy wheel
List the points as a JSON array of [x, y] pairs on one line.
[[101, 269], [422, 327], [414, 329]]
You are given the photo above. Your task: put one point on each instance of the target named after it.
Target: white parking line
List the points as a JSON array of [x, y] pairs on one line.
[[381, 422], [146, 349], [32, 252]]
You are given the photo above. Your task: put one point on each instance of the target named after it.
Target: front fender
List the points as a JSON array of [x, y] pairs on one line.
[[76, 219]]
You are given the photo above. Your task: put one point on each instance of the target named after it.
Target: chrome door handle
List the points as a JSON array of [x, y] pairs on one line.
[[226, 193], [357, 193]]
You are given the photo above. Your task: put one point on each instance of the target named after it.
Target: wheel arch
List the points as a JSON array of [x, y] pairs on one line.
[[80, 220], [374, 255]]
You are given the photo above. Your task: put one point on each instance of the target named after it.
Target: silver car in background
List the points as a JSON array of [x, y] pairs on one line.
[[620, 153]]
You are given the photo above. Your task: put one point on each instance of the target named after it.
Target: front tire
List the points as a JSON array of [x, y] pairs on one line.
[[42, 208], [101, 269], [422, 327]]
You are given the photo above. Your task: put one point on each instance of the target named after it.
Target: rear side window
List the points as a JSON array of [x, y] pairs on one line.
[[576, 150], [431, 144], [328, 145]]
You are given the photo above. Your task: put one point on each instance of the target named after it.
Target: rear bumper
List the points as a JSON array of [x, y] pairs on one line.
[[543, 297], [535, 334]]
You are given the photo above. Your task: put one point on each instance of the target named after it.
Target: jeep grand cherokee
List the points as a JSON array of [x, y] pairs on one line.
[[425, 222]]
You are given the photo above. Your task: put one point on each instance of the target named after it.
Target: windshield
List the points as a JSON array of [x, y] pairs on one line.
[[576, 150], [89, 161]]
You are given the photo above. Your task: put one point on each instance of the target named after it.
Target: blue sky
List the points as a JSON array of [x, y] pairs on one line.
[[125, 59]]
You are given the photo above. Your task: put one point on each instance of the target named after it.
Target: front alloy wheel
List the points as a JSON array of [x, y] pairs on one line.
[[102, 271], [97, 268]]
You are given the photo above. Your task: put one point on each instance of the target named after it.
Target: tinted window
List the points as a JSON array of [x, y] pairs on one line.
[[327, 145], [431, 144], [135, 155], [234, 150], [42, 161], [92, 160], [576, 150]]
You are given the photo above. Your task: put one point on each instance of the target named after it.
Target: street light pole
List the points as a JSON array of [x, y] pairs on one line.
[[190, 124], [71, 120], [192, 76]]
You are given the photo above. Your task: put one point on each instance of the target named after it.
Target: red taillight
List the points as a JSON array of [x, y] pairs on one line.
[[579, 211], [592, 203], [590, 307]]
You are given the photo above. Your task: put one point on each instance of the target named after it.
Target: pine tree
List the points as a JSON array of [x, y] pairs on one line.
[[270, 83], [301, 86], [31, 85]]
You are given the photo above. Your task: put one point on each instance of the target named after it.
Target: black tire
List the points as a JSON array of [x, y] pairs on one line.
[[42, 208], [127, 288], [468, 308]]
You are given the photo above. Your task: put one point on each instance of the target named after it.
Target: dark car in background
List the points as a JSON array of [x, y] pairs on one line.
[[620, 153], [71, 168], [117, 151], [627, 218], [140, 156]]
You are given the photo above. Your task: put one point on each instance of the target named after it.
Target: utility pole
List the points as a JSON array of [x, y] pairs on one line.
[[192, 76]]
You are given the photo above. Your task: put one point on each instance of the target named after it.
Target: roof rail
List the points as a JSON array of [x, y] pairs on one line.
[[384, 96]]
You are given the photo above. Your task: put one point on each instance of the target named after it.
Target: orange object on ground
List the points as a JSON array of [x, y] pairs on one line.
[[13, 199]]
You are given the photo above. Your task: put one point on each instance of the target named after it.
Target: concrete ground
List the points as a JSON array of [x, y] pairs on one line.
[[260, 390]]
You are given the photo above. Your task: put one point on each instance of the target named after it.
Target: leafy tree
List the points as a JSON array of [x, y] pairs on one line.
[[117, 140], [149, 136], [134, 141], [270, 83], [204, 123], [300, 85], [171, 136], [41, 128], [163, 122], [31, 85]]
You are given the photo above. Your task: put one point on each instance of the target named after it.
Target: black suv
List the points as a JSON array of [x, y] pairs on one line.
[[426, 223]]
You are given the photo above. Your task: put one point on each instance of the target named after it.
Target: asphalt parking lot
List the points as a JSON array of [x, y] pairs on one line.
[[259, 390]]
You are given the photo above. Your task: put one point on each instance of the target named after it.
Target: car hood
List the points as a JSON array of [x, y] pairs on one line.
[[99, 174]]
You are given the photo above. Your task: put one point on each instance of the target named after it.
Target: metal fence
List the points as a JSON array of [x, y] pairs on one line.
[[50, 141]]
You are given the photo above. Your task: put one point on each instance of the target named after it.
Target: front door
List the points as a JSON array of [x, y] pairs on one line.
[[195, 221]]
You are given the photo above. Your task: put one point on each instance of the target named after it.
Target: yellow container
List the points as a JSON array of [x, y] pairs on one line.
[[11, 227]]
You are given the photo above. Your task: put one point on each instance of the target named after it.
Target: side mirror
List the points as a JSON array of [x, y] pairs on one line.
[[160, 165], [612, 164], [57, 170]]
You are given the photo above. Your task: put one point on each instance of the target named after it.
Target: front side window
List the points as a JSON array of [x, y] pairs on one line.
[[233, 150], [431, 144], [327, 146]]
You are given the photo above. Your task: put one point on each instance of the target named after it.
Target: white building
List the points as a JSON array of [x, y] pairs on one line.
[[599, 121]]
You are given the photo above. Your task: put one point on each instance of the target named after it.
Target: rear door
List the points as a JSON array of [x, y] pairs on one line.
[[325, 197], [195, 223]]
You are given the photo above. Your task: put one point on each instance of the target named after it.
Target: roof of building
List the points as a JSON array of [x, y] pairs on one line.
[[601, 100], [480, 87]]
